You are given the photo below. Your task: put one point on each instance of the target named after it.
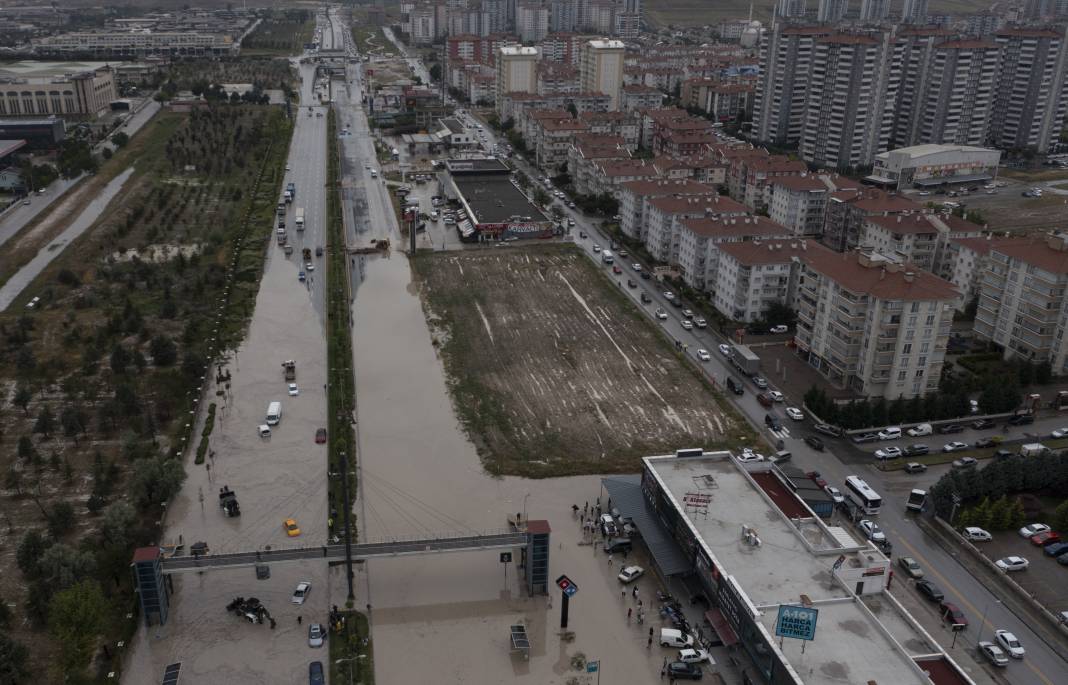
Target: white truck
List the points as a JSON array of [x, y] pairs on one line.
[[606, 256], [300, 218]]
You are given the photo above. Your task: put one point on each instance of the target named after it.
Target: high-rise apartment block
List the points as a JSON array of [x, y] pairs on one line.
[[874, 10], [517, 70], [1029, 111], [531, 21], [601, 69], [832, 10], [914, 12]]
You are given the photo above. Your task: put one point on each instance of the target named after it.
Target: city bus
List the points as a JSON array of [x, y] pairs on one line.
[[861, 494]]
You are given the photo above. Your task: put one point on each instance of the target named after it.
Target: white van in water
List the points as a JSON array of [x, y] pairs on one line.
[[274, 413]]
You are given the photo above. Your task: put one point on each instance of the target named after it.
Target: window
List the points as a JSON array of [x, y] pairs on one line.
[[907, 349], [930, 320], [909, 333], [919, 373], [927, 332], [915, 307], [901, 375], [924, 347], [912, 321], [922, 361], [905, 361]]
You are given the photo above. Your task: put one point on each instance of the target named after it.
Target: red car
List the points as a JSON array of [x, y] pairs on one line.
[[765, 399], [952, 614], [320, 436], [1049, 537], [617, 270]]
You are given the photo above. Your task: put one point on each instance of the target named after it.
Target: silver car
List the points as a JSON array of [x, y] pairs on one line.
[[316, 635]]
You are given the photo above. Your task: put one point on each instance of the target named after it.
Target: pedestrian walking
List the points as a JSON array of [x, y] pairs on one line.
[[299, 619], [630, 611], [650, 643], [623, 595], [635, 592], [609, 558]]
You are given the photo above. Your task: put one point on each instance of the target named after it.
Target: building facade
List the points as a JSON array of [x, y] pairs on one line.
[[79, 94], [601, 69], [516, 70]]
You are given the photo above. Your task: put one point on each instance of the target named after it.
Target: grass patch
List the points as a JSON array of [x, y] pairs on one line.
[[352, 645], [279, 35], [1034, 175], [205, 435]]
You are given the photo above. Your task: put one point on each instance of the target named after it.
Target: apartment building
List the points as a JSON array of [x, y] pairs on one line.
[[557, 78], [138, 43], [914, 50], [610, 174], [586, 151], [662, 217], [874, 10], [964, 260], [761, 171], [516, 70], [601, 69], [620, 124], [799, 203], [551, 139], [531, 21], [782, 87], [634, 195], [850, 99], [753, 275], [636, 97], [919, 239], [847, 209], [701, 240], [957, 99], [1029, 111], [1022, 305], [871, 324], [914, 12]]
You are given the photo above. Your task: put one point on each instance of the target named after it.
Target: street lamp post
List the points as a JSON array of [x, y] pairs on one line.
[[979, 637], [351, 658]]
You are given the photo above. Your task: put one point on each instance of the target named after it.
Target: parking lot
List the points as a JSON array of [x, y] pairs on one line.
[[580, 382], [1044, 578]]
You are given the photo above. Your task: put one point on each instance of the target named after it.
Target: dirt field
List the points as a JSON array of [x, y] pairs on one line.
[[553, 372]]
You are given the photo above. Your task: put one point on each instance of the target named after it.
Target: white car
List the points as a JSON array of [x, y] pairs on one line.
[[700, 322], [1033, 529], [795, 414], [776, 396], [954, 446], [835, 494], [725, 349], [1014, 563], [779, 329], [872, 531], [687, 324], [993, 653], [636, 266], [693, 656], [703, 355], [630, 573], [293, 390], [1060, 433], [301, 593], [596, 248], [749, 456], [310, 266], [976, 534], [1009, 643], [888, 453], [661, 314], [316, 635]]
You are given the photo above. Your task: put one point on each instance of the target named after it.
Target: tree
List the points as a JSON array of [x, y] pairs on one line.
[[1000, 514], [62, 566], [13, 661], [73, 420], [29, 553], [1060, 516], [13, 480], [117, 524], [75, 617], [46, 422], [22, 398], [25, 448], [60, 519], [155, 480], [25, 359], [120, 139], [120, 359], [163, 350]]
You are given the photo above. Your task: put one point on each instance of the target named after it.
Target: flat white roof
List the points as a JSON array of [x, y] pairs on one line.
[[519, 51]]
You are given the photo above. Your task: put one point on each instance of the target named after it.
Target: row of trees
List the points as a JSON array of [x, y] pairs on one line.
[[998, 478], [1001, 514]]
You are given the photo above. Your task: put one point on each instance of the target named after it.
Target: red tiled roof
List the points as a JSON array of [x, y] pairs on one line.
[[1028, 33], [776, 164], [978, 245], [717, 204], [1036, 252], [627, 167], [885, 282], [800, 183], [563, 125], [735, 226], [753, 252], [874, 201], [664, 187], [968, 45], [848, 39], [805, 31], [903, 223]]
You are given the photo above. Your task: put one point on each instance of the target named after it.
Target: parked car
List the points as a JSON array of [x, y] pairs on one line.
[[976, 534], [630, 573], [1021, 420], [951, 428], [951, 613], [930, 590], [862, 438], [291, 528], [1013, 563], [693, 656], [1059, 433], [1008, 642], [670, 637], [316, 635], [993, 653], [872, 531], [315, 673], [1049, 537], [890, 433], [835, 494], [827, 429], [1032, 529], [301, 592], [915, 450], [982, 443], [983, 424], [911, 567], [1056, 549], [781, 328], [320, 436], [680, 670], [814, 442], [955, 447], [920, 430], [915, 467], [888, 453]]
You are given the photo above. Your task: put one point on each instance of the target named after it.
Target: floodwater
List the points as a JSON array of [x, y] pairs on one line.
[[420, 476]]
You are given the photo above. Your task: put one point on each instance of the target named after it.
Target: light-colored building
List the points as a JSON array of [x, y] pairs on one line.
[[601, 69], [964, 261], [831, 10], [799, 203], [74, 89], [700, 241], [517, 70], [634, 195], [914, 12], [751, 276], [531, 21], [662, 217], [934, 165], [919, 239], [1029, 113], [782, 87], [874, 10], [871, 324], [1022, 305], [847, 209], [137, 43]]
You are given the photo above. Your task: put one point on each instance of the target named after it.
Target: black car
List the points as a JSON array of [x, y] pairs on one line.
[[915, 450], [930, 590], [865, 437], [632, 283], [983, 424], [735, 386], [827, 429], [646, 299], [951, 428], [315, 673], [682, 670], [814, 442], [985, 442], [646, 275], [1021, 420], [1003, 454]]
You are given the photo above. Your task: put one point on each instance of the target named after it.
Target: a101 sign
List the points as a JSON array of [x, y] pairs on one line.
[[796, 622]]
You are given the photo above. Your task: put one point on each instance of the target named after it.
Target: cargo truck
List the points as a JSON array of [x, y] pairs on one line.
[[916, 500], [300, 218], [745, 360]]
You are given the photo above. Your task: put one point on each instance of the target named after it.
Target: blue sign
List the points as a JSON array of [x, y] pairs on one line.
[[567, 585], [796, 622], [593, 666]]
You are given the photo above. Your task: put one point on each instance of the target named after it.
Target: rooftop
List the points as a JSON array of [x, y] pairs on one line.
[[800, 183], [904, 223], [717, 204], [873, 200], [476, 165], [735, 227], [518, 51], [663, 187], [1049, 253], [496, 199], [860, 272], [32, 69], [915, 151], [602, 44]]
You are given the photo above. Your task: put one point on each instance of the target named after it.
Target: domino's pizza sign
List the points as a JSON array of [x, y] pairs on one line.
[[796, 622], [567, 585]]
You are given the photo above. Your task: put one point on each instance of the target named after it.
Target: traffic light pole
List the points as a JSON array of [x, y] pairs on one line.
[[563, 609]]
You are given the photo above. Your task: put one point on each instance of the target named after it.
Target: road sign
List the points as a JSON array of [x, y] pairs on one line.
[[506, 557], [796, 622], [593, 666], [567, 586]]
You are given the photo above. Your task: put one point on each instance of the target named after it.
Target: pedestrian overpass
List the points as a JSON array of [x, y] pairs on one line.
[[150, 566]]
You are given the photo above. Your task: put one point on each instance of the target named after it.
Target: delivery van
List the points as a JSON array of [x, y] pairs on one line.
[[274, 413]]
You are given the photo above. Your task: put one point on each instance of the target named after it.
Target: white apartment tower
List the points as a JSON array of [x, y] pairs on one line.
[[1030, 102], [957, 101], [874, 10], [914, 12], [852, 91], [601, 69], [785, 58], [832, 10], [531, 21], [791, 9], [516, 70]]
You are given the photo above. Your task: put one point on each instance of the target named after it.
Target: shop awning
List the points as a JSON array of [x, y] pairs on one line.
[[626, 494], [722, 628]]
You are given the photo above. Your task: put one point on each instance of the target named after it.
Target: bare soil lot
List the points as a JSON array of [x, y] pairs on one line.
[[553, 372]]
